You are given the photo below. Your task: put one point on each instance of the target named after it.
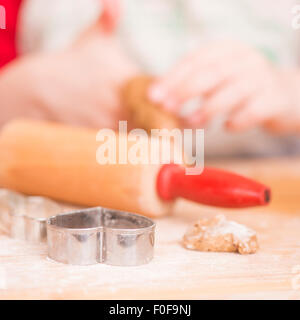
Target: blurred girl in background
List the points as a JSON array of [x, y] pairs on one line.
[[229, 66]]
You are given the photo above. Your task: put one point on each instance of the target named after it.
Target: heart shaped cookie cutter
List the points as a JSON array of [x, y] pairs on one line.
[[100, 235], [83, 237]]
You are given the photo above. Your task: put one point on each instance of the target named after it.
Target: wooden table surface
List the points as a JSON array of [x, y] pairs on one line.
[[176, 273]]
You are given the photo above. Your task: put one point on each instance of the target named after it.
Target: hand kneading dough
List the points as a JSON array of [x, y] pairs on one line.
[[220, 235], [143, 113]]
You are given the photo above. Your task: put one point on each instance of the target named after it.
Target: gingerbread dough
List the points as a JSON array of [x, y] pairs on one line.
[[143, 113], [220, 235]]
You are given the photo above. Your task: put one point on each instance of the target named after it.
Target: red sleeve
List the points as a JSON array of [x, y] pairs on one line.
[[8, 35]]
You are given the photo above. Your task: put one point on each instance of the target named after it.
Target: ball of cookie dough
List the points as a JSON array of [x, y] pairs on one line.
[[220, 235], [143, 113]]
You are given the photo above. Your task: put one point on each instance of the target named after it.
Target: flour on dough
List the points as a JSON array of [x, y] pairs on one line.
[[220, 235]]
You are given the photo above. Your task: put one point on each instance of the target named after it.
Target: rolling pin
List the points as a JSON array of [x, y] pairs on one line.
[[58, 161]]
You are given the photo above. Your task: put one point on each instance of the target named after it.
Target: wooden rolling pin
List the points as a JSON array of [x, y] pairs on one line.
[[59, 162]]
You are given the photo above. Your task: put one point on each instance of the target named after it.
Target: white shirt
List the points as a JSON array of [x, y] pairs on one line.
[[156, 33]]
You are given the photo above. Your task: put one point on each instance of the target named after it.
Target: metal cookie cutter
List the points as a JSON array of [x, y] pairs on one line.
[[100, 235], [24, 218]]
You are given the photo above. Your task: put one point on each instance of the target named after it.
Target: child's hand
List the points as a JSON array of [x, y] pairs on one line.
[[79, 85], [232, 80], [82, 84]]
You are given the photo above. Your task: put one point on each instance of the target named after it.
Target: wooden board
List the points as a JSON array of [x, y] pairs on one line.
[[177, 273]]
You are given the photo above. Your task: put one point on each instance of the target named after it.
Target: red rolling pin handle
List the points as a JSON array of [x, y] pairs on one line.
[[213, 187]]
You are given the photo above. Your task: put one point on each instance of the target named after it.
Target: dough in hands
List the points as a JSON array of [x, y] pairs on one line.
[[220, 235], [141, 111]]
